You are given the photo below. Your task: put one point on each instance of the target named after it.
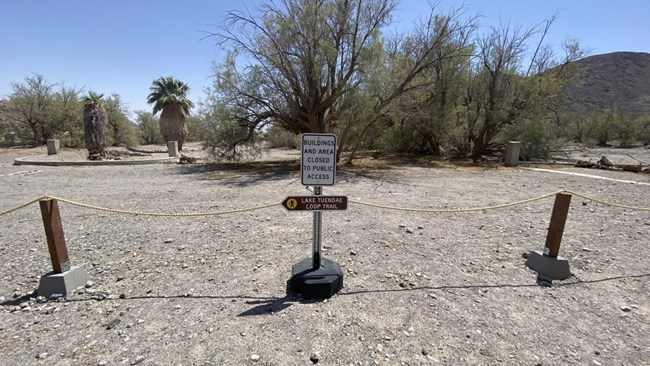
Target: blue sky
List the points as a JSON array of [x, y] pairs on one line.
[[120, 46]]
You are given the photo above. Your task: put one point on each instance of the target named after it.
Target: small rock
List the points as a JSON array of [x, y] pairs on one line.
[[42, 355], [89, 284], [137, 360], [524, 255], [409, 230], [122, 296], [169, 241], [113, 323], [23, 304], [313, 358], [352, 252], [55, 297], [585, 249], [596, 363], [425, 352], [255, 357], [626, 308], [403, 284]]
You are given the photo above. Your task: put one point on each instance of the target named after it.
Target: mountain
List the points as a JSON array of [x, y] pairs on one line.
[[620, 79]]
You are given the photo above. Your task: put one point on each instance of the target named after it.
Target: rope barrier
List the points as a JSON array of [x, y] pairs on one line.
[[455, 210], [19, 207], [361, 203], [142, 213], [617, 205]]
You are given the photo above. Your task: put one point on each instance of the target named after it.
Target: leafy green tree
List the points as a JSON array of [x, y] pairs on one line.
[[169, 96], [503, 92], [148, 128], [29, 105], [425, 117], [65, 120], [38, 110], [644, 129], [196, 128], [120, 130], [95, 119]]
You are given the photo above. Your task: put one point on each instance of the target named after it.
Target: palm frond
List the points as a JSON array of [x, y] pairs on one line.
[[167, 92]]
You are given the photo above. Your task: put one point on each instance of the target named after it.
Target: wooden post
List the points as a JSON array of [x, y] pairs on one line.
[[556, 226], [54, 234]]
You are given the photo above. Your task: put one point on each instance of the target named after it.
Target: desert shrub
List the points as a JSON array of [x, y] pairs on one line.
[[598, 129], [278, 137], [196, 129], [148, 128], [399, 138], [643, 124], [538, 138]]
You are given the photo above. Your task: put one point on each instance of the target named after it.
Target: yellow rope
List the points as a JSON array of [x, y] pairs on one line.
[[453, 210], [167, 214], [142, 213], [637, 208], [19, 207]]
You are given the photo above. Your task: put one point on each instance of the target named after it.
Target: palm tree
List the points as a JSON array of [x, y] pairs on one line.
[[95, 119], [169, 96]]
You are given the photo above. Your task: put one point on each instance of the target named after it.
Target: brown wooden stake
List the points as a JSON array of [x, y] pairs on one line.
[[556, 226], [55, 237]]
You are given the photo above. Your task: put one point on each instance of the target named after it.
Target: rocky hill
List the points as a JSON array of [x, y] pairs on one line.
[[620, 79]]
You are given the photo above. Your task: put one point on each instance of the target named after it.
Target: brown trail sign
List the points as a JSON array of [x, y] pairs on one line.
[[315, 203]]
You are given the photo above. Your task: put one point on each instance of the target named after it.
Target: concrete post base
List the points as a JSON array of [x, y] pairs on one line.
[[172, 148], [512, 153], [321, 283], [549, 267], [53, 146], [62, 283]]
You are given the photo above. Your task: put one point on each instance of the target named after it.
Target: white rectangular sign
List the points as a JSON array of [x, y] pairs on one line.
[[318, 159]]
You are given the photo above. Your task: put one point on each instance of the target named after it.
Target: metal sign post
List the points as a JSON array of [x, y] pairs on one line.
[[318, 228], [317, 277]]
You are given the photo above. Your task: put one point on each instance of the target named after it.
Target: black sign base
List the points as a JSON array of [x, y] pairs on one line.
[[321, 283]]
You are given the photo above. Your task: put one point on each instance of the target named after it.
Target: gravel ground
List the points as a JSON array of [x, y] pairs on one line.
[[420, 288]]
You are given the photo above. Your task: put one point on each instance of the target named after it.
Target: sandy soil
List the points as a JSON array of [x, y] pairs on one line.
[[419, 288]]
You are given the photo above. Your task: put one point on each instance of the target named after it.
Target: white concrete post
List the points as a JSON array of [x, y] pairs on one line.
[[512, 153], [52, 146], [172, 147]]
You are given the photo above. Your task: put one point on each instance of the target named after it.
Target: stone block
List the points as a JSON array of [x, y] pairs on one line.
[[62, 283]]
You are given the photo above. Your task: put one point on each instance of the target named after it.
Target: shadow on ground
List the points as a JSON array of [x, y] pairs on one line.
[[270, 305], [386, 169]]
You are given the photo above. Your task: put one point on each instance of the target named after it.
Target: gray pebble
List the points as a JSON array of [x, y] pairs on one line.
[[137, 360]]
